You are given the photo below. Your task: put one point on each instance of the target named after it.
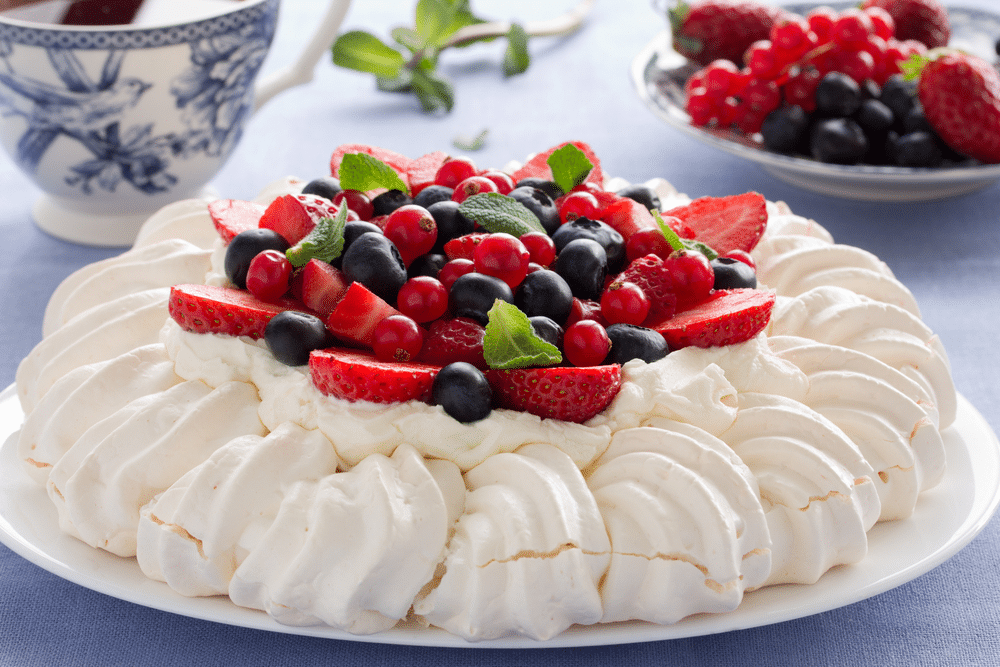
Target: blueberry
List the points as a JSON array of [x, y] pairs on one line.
[[539, 203], [473, 294], [629, 341], [918, 149], [642, 194], [874, 117], [326, 187], [547, 330], [244, 247], [837, 95], [375, 262], [389, 201], [427, 265], [607, 236], [463, 391], [432, 194], [291, 336], [870, 90], [583, 264], [732, 274], [785, 130], [544, 292], [450, 223], [899, 95], [838, 141], [548, 187], [352, 230]]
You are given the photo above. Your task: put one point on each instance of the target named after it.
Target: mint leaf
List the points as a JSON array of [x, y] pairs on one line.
[[434, 19], [364, 52], [499, 213], [516, 59], [434, 93], [703, 248], [672, 238], [511, 342], [407, 37], [360, 171], [475, 143], [569, 166], [325, 242]]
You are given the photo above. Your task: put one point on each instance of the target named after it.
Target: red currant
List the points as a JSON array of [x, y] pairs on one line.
[[413, 231], [356, 201], [885, 25], [647, 241], [801, 88], [742, 256], [473, 185], [761, 60], [586, 343], [269, 275], [505, 184], [397, 338], [821, 21], [852, 27], [859, 65], [579, 205], [691, 276], [423, 299], [502, 256], [790, 35], [453, 270], [454, 170], [720, 77], [541, 247], [624, 303]]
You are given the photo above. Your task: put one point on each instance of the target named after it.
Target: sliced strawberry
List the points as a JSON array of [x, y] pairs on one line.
[[464, 246], [726, 318], [359, 376], [354, 317], [319, 286], [538, 166], [627, 216], [233, 216], [421, 171], [654, 278], [400, 163], [223, 310], [726, 223], [294, 216], [450, 340], [573, 394]]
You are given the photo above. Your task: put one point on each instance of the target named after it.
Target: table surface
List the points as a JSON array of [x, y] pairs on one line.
[[577, 88]]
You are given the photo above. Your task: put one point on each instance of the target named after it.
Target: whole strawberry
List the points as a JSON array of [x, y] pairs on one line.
[[923, 20], [961, 98], [712, 29]]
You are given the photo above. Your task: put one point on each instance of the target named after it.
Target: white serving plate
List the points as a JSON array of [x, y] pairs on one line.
[[658, 74], [946, 519]]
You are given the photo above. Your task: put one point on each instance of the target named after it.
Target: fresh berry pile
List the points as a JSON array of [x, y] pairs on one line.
[[432, 280], [840, 87]]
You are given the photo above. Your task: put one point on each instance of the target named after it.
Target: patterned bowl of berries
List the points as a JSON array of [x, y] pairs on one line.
[[882, 100]]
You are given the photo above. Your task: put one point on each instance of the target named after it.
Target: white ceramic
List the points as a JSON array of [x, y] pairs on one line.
[[946, 519], [659, 73], [114, 122]]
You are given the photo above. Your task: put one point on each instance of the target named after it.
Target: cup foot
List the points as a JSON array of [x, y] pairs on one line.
[[92, 229]]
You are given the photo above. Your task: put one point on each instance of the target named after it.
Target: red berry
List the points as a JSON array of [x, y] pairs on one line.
[[742, 256], [647, 241], [761, 60], [356, 201], [423, 299], [412, 230], [885, 25], [852, 27], [691, 276], [541, 247], [624, 303], [579, 205], [269, 275], [397, 338], [502, 256], [720, 78], [821, 21], [801, 89], [586, 343], [790, 35], [453, 171], [473, 185], [453, 270], [505, 184]]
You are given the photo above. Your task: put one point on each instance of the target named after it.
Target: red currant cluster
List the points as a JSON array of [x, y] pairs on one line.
[[788, 67]]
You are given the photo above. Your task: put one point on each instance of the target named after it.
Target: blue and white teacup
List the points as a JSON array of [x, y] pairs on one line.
[[114, 122]]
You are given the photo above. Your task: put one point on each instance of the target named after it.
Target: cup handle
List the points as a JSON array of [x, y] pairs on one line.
[[301, 71]]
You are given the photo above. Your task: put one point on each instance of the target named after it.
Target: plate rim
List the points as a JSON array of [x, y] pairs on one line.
[[119, 576]]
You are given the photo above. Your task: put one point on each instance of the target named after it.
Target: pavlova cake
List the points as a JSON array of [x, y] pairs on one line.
[[497, 402]]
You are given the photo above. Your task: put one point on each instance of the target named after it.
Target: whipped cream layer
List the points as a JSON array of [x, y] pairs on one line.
[[712, 473]]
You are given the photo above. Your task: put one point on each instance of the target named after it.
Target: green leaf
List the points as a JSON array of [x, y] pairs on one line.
[[434, 20], [516, 58], [401, 84], [434, 93], [511, 342], [703, 248], [475, 143], [672, 238], [360, 171], [407, 38], [364, 52], [325, 242], [569, 166], [499, 213]]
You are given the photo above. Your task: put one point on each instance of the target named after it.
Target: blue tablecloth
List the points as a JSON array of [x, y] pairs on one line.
[[577, 87]]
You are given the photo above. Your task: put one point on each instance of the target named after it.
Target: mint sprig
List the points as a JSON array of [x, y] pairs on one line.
[[360, 171], [498, 213], [570, 166], [325, 242], [677, 243], [511, 342]]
